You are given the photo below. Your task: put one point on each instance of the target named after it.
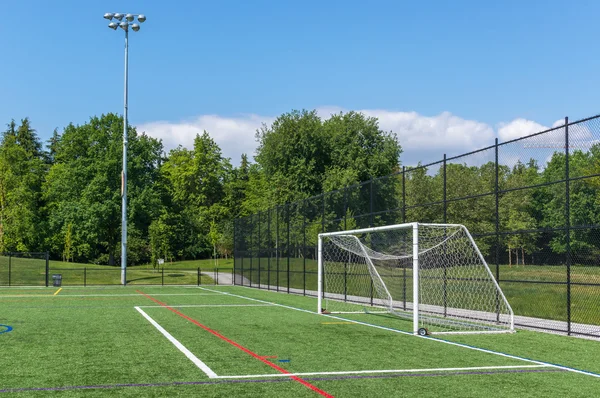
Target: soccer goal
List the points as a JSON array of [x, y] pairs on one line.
[[434, 275]]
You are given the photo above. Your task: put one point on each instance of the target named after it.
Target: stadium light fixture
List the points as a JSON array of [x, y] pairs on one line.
[[125, 21]]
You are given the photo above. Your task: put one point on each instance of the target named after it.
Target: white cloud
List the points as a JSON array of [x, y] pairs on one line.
[[518, 128], [423, 138], [234, 135]]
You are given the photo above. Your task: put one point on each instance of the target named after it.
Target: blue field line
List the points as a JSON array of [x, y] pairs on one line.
[[557, 366], [5, 329]]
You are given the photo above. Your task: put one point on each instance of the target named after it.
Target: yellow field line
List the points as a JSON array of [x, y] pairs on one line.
[[58, 291], [337, 323]]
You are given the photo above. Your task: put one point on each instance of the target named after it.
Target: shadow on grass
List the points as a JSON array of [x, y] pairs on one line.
[[144, 278]]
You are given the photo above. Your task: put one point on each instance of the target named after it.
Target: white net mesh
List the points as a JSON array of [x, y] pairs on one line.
[[373, 271]]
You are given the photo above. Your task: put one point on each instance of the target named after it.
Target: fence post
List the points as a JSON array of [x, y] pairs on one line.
[[322, 287], [234, 251], [277, 252], [47, 266], [199, 276], [345, 263], [251, 248], [497, 228], [287, 208], [568, 225], [258, 249], [371, 199], [497, 197], [162, 276], [304, 246], [84, 276], [445, 193], [269, 249], [445, 198], [403, 194]]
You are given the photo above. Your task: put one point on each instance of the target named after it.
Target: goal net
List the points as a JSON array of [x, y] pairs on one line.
[[431, 274]]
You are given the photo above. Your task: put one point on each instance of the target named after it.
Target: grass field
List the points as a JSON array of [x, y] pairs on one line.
[[17, 271], [222, 341]]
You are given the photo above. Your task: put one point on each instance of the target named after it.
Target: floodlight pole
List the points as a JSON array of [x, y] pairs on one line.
[[125, 22], [124, 177]]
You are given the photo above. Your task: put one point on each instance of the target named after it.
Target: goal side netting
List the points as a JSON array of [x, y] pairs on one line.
[[433, 275]]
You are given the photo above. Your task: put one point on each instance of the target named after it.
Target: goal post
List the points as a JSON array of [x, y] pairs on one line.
[[432, 275]]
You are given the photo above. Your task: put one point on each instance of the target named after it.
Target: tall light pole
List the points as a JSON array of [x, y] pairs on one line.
[[125, 21]]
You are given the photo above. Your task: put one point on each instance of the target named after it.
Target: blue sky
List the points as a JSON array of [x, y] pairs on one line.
[[445, 76]]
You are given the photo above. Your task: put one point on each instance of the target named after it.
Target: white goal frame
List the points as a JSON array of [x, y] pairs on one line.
[[415, 268]]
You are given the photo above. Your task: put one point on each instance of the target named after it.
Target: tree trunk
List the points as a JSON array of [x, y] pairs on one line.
[[215, 254], [523, 255], [509, 257]]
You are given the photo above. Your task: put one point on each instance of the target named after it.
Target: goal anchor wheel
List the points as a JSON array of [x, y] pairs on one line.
[[423, 332]]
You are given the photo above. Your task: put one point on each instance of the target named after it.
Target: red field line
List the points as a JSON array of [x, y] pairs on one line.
[[246, 350]]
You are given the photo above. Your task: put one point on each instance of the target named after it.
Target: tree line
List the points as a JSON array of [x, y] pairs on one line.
[[64, 196], [519, 210]]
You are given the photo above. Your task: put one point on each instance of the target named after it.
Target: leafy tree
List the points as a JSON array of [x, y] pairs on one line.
[[293, 154], [22, 170], [517, 209], [68, 250], [83, 187], [195, 181], [160, 236], [358, 150]]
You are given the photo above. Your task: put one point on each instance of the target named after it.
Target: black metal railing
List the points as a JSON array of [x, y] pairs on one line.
[[35, 269]]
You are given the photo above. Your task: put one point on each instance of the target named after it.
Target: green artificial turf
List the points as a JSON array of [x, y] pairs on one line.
[[94, 342]]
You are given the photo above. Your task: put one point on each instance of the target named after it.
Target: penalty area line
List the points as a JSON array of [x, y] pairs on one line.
[[430, 338], [208, 371]]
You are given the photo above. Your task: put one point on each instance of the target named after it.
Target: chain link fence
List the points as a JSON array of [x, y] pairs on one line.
[[530, 203]]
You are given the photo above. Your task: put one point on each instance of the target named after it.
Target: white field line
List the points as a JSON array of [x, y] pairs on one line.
[[417, 336], [105, 295], [208, 371], [205, 305], [352, 372], [138, 295]]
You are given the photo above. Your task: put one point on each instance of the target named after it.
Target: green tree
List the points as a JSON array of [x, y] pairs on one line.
[[68, 250], [83, 187], [292, 153], [195, 182], [22, 170], [358, 150], [517, 211], [583, 199]]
